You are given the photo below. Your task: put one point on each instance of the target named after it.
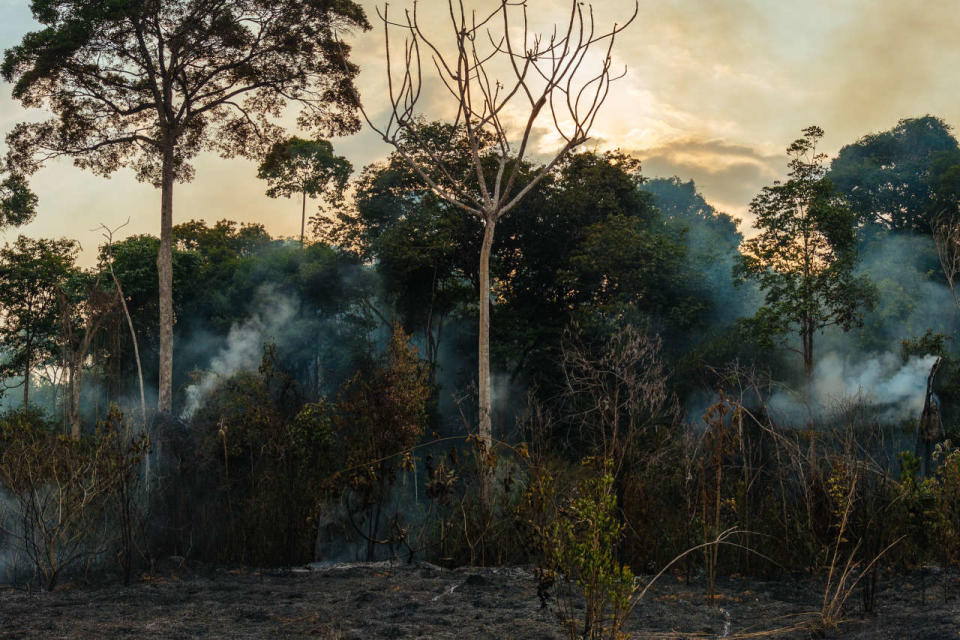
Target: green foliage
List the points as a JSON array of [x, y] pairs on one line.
[[711, 240], [104, 68], [886, 176], [18, 204], [33, 275], [590, 246], [223, 273], [593, 250], [150, 85], [135, 264], [305, 167], [581, 545], [944, 183], [929, 343], [425, 249]]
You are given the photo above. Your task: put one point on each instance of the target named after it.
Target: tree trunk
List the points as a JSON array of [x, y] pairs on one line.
[[303, 219], [26, 380], [165, 275], [136, 354], [485, 398], [75, 399], [807, 339]]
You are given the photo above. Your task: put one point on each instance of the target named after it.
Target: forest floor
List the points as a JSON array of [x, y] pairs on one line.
[[388, 600]]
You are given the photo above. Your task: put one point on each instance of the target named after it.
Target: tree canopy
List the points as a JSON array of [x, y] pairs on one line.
[[308, 168], [33, 276], [886, 177]]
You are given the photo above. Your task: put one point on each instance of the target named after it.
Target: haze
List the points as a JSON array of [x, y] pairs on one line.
[[714, 92]]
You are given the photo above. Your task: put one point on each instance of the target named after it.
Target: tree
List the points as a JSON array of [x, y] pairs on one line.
[[804, 255], [591, 247], [544, 76], [149, 84], [945, 216], [712, 241], [32, 276], [423, 247], [134, 262], [18, 205], [84, 306], [307, 167], [886, 176]]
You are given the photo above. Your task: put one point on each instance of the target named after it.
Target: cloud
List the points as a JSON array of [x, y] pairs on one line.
[[728, 174], [890, 60], [714, 91]]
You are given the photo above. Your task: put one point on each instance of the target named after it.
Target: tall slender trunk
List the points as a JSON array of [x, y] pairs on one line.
[[485, 399], [133, 338], [26, 378], [75, 375], [303, 218], [807, 351], [165, 275]]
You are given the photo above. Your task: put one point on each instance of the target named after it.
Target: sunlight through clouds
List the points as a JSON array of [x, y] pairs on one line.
[[713, 91]]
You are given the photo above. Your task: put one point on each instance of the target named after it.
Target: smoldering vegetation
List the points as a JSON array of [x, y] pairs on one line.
[[646, 418]]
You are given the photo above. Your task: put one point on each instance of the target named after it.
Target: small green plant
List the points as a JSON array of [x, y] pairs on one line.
[[581, 544], [946, 491]]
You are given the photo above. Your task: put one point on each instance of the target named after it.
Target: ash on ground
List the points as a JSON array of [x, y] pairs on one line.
[[419, 600]]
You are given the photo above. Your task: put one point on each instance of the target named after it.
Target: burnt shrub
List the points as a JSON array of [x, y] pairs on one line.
[[378, 418], [67, 494], [262, 454]]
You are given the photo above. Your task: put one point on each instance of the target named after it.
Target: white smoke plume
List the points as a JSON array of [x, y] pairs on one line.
[[893, 389], [243, 350]]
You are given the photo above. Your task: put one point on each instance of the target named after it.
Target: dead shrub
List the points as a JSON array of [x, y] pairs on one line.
[[62, 489]]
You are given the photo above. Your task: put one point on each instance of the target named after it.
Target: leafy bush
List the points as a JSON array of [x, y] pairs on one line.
[[579, 542]]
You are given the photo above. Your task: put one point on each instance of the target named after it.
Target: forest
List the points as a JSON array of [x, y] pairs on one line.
[[623, 383]]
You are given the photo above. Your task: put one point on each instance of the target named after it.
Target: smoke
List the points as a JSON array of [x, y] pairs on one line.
[[892, 389], [864, 367], [243, 349], [911, 296]]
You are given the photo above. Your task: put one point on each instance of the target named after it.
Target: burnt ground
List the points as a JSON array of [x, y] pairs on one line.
[[386, 600]]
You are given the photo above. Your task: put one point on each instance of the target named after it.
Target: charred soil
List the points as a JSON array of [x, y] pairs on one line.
[[389, 600]]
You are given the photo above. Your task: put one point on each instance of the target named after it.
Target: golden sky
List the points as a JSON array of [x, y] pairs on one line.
[[714, 91]]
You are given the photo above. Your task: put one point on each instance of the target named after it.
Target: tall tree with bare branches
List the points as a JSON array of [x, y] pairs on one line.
[[502, 82], [149, 84]]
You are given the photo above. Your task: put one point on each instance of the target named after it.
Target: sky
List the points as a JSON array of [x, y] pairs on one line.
[[713, 91]]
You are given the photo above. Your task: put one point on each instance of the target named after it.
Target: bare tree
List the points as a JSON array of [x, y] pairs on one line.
[[946, 235], [616, 392], [108, 246], [501, 81]]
